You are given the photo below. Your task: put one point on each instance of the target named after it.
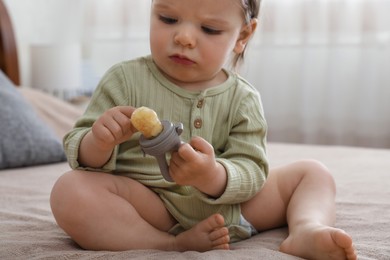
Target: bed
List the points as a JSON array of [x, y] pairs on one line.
[[29, 170]]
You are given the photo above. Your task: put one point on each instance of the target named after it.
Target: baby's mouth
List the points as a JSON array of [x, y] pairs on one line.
[[183, 60]]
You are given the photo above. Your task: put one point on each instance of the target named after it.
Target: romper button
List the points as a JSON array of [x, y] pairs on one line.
[[198, 123], [200, 103]]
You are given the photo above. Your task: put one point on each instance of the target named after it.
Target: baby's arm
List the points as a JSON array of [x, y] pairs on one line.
[[194, 164], [112, 128]]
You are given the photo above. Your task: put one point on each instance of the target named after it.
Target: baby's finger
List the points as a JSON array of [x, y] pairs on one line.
[[123, 121], [187, 152], [201, 145], [102, 133], [176, 159], [126, 110], [114, 127]]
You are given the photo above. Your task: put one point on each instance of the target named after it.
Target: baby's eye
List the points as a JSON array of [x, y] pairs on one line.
[[211, 31], [167, 20]]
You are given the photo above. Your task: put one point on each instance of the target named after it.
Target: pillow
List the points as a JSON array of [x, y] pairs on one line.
[[25, 140]]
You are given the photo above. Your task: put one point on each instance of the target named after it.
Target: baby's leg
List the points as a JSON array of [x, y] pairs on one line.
[[107, 212], [301, 195]]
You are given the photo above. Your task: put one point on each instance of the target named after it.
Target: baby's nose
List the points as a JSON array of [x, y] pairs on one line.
[[185, 36]]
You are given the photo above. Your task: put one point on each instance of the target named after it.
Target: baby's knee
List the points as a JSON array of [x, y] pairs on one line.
[[313, 165], [318, 170], [65, 197], [62, 188]]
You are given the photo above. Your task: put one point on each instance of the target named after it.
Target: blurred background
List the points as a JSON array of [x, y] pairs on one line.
[[322, 66]]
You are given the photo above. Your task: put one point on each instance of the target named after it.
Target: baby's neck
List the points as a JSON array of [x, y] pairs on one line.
[[218, 79]]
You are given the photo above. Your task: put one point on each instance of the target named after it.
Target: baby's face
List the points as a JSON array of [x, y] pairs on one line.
[[191, 40]]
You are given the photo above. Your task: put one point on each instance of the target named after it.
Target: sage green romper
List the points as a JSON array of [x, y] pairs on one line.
[[229, 116]]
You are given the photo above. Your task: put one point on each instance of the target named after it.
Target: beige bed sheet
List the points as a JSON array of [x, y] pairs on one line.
[[28, 229]]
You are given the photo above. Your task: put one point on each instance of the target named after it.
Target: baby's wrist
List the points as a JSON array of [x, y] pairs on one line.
[[100, 145], [215, 185]]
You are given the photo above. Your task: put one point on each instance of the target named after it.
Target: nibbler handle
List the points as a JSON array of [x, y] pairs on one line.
[[167, 141]]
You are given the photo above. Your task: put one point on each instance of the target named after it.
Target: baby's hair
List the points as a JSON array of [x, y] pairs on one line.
[[251, 10]]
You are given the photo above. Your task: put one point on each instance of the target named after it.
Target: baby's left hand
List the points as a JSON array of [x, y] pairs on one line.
[[194, 164]]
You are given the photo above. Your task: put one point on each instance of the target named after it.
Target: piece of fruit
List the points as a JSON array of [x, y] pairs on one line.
[[146, 121]]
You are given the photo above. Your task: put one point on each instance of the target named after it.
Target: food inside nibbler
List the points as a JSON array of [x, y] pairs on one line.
[[146, 121]]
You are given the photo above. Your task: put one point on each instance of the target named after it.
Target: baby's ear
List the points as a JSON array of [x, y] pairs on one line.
[[246, 33]]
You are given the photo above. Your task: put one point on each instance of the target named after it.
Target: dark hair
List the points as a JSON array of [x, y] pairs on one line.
[[251, 10]]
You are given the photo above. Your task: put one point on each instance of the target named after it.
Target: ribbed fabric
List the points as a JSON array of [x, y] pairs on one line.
[[232, 120]]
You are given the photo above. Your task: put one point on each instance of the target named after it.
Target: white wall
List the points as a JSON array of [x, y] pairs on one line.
[[44, 22]]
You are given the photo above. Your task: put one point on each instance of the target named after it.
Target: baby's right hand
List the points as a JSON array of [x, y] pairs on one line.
[[113, 127]]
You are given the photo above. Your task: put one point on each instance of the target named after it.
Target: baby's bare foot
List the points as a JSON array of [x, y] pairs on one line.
[[206, 235], [319, 242]]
